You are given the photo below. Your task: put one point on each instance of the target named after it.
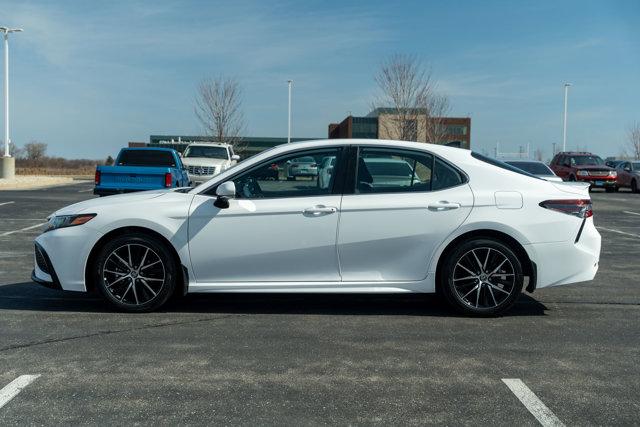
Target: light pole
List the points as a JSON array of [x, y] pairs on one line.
[[7, 166], [289, 127], [564, 121]]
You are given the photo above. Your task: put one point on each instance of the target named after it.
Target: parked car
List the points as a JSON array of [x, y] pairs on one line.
[[629, 175], [536, 168], [302, 167], [584, 167], [383, 173], [613, 163], [325, 171], [204, 160], [140, 169], [474, 229]]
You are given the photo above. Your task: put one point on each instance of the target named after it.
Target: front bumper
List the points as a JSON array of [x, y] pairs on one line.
[[61, 257], [596, 182], [43, 273], [196, 179]]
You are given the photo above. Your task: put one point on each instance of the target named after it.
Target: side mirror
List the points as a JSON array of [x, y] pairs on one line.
[[225, 191], [235, 157]]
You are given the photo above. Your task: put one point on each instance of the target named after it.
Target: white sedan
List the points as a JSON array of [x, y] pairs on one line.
[[472, 229]]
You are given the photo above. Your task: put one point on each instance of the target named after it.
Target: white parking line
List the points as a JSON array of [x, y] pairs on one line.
[[631, 213], [532, 403], [6, 203], [619, 232], [22, 229], [12, 389], [85, 191]]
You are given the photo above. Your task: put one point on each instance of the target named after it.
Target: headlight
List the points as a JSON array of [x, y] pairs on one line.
[[613, 173], [62, 221], [583, 173]]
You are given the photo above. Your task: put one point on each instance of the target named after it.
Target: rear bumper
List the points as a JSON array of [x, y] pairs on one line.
[[562, 263], [111, 191]]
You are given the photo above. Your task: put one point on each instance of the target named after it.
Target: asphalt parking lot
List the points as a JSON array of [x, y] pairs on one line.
[[309, 359]]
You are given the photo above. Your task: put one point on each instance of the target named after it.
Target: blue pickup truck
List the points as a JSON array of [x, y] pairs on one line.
[[140, 169]]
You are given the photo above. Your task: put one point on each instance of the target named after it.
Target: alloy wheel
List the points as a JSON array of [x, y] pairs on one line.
[[133, 274], [483, 278]]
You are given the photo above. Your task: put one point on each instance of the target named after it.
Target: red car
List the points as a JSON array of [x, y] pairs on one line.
[[584, 167]]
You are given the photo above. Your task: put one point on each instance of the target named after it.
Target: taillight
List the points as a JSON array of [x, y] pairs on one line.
[[97, 178], [167, 179], [577, 207]]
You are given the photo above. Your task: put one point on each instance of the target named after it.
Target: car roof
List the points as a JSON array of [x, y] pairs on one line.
[[524, 161], [148, 149], [209, 144], [575, 153]]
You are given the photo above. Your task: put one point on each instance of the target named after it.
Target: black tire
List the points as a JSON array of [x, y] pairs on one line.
[[493, 297], [572, 178], [634, 186], [610, 189], [149, 256]]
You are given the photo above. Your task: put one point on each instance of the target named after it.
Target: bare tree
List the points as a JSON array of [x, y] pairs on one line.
[[218, 107], [633, 140], [35, 150], [407, 91], [538, 154]]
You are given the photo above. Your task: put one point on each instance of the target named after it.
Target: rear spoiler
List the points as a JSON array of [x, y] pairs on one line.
[[573, 187]]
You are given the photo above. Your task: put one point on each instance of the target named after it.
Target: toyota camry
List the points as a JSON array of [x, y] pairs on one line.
[[472, 229]]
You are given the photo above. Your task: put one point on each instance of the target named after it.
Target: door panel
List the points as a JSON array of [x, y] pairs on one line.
[[391, 237], [264, 240]]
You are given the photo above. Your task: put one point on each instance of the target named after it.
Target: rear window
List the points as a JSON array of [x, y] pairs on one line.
[[502, 165], [389, 168], [146, 158], [532, 167]]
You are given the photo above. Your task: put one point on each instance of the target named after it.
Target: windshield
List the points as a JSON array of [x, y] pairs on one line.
[[304, 160], [586, 160], [205, 151], [535, 168], [146, 158]]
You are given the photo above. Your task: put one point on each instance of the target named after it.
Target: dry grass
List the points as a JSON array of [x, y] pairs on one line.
[[85, 171]]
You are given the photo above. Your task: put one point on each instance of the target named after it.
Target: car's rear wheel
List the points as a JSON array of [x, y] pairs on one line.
[[135, 273], [634, 186], [482, 276]]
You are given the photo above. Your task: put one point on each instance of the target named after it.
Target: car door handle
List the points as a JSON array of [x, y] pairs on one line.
[[320, 210], [443, 205]]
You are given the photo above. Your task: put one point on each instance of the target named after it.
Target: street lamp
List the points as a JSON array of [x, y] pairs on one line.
[[289, 127], [564, 121], [7, 166]]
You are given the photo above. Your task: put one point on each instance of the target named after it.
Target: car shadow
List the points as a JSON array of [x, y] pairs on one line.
[[32, 297]]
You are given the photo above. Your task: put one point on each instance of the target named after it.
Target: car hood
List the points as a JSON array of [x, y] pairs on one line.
[[88, 205], [203, 161], [594, 167]]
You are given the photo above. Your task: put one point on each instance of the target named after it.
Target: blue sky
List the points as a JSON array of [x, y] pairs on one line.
[[87, 77]]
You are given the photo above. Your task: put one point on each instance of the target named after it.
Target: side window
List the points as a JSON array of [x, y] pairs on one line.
[[445, 176], [381, 170], [302, 174]]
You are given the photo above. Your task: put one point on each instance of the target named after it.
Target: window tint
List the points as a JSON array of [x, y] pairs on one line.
[[146, 158], [289, 176], [500, 164], [392, 171], [445, 176], [535, 168]]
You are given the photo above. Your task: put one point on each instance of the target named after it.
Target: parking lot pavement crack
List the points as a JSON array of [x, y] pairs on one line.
[[114, 331]]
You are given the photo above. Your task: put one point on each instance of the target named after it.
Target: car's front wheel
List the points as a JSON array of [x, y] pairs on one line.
[[481, 276], [135, 273], [634, 186]]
